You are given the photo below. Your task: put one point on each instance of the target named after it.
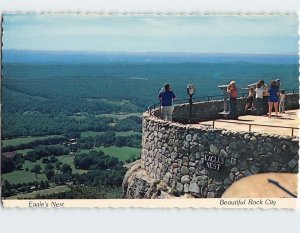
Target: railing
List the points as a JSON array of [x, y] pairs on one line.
[[151, 108], [213, 124], [287, 91], [250, 125]]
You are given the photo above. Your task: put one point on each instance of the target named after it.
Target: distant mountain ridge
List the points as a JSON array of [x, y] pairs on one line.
[[69, 57]]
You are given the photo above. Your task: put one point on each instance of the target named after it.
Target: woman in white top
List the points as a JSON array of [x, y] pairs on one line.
[[259, 99]]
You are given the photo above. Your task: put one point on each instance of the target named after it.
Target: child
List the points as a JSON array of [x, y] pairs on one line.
[[249, 105], [282, 101]]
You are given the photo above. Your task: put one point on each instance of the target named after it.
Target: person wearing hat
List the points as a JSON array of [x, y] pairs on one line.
[[232, 90], [166, 98]]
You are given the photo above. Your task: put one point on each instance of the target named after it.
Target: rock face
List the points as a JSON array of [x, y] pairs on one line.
[[138, 185]]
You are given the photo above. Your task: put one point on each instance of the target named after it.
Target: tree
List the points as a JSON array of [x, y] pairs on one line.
[[47, 184], [49, 167], [45, 160], [65, 168], [36, 169], [49, 171], [57, 165], [42, 185], [49, 174], [6, 192], [7, 164], [53, 159]]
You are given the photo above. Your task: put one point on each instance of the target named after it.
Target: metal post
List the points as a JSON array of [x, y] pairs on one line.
[[213, 124], [226, 109], [190, 91], [191, 104], [249, 127], [292, 132]]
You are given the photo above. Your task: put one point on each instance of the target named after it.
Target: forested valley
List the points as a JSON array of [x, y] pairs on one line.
[[69, 131]]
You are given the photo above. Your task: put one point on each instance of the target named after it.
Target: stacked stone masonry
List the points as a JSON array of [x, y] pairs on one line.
[[211, 109], [175, 153]]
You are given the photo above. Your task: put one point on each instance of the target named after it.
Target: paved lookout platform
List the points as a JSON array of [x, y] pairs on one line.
[[263, 124]]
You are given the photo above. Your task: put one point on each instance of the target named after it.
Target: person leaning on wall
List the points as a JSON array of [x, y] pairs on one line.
[[166, 97], [232, 90]]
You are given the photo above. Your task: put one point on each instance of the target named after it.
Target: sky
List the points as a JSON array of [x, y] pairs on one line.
[[248, 34]]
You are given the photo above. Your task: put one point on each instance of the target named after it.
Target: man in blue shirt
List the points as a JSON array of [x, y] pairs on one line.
[[166, 98]]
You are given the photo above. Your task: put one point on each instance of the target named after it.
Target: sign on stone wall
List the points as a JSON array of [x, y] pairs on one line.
[[213, 162]]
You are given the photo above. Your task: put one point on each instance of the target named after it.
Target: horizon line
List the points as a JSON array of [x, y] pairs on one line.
[[146, 52]]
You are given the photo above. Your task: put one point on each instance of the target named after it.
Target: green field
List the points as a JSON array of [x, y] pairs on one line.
[[67, 159], [78, 118], [120, 116], [17, 141], [23, 176], [127, 133], [94, 134], [109, 101], [90, 134], [24, 151], [30, 165], [58, 189], [122, 153]]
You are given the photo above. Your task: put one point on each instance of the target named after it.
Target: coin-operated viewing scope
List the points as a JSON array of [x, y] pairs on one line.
[[191, 88], [225, 112], [249, 86], [252, 85], [278, 82]]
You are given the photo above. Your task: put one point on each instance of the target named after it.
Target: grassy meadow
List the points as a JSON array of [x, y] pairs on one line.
[[122, 153], [57, 189], [20, 140]]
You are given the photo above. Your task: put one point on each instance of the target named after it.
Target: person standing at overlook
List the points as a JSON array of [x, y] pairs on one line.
[[232, 90], [166, 98], [273, 98], [250, 99], [282, 97], [265, 97], [259, 98]]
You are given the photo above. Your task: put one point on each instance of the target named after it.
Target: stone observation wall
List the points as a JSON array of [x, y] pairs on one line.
[[210, 109], [203, 161]]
